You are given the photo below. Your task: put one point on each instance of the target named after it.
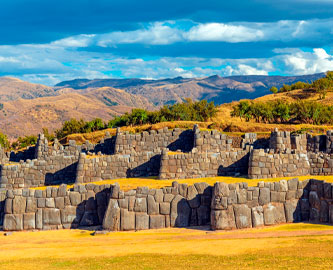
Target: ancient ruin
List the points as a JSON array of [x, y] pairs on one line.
[[167, 154]]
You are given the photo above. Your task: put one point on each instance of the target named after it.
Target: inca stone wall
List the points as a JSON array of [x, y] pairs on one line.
[[102, 167], [203, 164], [236, 206], [96, 205], [224, 206]]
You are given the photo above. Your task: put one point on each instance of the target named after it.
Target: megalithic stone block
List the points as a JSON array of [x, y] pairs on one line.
[[111, 219]]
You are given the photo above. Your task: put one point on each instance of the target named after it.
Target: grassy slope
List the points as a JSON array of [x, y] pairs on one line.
[[292, 246]]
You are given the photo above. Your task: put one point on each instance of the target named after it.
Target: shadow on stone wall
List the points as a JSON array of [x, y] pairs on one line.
[[28, 153], [66, 175], [185, 142], [149, 168], [239, 167]]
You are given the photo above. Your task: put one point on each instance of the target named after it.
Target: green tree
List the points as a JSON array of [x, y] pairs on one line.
[[274, 90], [4, 140]]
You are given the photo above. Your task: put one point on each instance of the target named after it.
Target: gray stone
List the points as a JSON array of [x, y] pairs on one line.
[[274, 214], [165, 208], [180, 212], [13, 222], [193, 197], [29, 222], [159, 195], [51, 216], [156, 221], [140, 205], [141, 221], [242, 196], [111, 219], [127, 220], [314, 200], [69, 215], [242, 216], [39, 219], [89, 218], [49, 202], [153, 207], [201, 187], [223, 219], [264, 196], [292, 210], [203, 213], [75, 198], [257, 216], [293, 184], [19, 205], [31, 205], [8, 206]]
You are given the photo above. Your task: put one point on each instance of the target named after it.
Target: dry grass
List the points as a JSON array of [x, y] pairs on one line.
[[153, 182], [293, 246]]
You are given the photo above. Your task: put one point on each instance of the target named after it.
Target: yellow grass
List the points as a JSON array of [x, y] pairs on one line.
[[293, 246], [153, 182]]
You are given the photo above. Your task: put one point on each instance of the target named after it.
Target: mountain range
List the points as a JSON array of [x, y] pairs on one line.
[[27, 107]]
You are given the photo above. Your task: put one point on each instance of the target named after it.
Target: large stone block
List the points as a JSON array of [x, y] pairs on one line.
[[242, 196], [223, 219], [141, 221], [180, 212], [203, 213], [111, 219], [70, 215], [75, 198], [242, 216], [165, 208], [51, 216], [19, 205], [13, 222], [156, 221], [257, 216], [153, 206], [127, 220], [39, 219], [89, 218], [264, 196], [140, 205], [292, 210], [314, 200], [31, 205], [193, 197], [29, 221], [274, 213]]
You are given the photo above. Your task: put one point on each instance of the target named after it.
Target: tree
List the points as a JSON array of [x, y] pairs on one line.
[[274, 90], [3, 140]]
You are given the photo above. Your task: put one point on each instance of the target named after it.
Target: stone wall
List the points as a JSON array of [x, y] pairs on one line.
[[94, 205], [268, 164], [200, 164], [154, 141], [224, 206], [236, 206], [103, 167]]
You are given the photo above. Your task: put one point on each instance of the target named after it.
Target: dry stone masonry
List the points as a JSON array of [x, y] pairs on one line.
[[167, 154]]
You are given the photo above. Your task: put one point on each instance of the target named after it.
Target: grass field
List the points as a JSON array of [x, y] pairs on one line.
[[152, 182], [292, 246]]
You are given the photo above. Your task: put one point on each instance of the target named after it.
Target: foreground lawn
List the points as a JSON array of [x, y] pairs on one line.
[[293, 246]]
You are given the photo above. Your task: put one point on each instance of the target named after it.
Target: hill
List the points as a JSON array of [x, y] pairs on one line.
[[214, 88], [13, 89]]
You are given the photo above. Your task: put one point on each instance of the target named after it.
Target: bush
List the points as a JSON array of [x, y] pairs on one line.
[[3, 140]]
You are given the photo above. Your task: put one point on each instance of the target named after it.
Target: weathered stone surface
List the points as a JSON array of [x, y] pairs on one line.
[[180, 212], [331, 213], [223, 219], [51, 216], [13, 222], [141, 221], [31, 205], [153, 206], [242, 196], [89, 219], [19, 205], [242, 216], [156, 221], [203, 213], [257, 216], [69, 215], [8, 206], [111, 219], [292, 210], [264, 196], [75, 198], [39, 219], [293, 184], [165, 208], [324, 212], [140, 205], [274, 213], [127, 220], [193, 197], [29, 221]]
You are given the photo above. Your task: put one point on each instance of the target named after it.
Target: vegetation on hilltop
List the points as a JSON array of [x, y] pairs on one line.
[[186, 111]]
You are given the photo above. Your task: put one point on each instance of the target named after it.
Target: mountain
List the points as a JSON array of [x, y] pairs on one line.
[[214, 88], [28, 116], [26, 107], [12, 89]]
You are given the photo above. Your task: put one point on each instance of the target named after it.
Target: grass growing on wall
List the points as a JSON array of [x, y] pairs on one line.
[[292, 246]]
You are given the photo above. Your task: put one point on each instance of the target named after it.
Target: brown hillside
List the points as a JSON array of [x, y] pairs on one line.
[[12, 89]]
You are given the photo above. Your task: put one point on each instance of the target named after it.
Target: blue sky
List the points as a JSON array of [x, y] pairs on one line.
[[51, 41]]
